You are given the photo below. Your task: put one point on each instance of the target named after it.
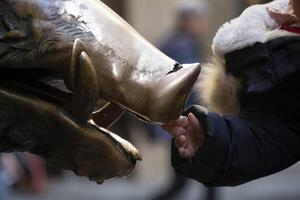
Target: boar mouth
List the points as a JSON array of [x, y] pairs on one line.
[[50, 88]]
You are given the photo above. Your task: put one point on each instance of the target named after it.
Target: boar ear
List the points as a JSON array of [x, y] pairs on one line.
[[86, 90]]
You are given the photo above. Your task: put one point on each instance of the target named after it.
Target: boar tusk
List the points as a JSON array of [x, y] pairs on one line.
[[86, 89]]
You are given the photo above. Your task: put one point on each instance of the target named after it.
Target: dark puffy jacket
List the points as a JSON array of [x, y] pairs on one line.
[[265, 137]]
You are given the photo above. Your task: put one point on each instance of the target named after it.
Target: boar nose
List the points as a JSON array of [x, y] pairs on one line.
[[175, 89]]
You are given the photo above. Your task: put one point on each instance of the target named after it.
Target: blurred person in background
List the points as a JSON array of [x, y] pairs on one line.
[[184, 45]]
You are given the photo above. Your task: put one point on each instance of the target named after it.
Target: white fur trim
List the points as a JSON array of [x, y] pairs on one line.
[[254, 25], [218, 90]]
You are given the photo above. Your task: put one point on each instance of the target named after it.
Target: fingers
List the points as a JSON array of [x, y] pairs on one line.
[[188, 134], [183, 153], [177, 127], [181, 141], [184, 125], [194, 122], [182, 122]]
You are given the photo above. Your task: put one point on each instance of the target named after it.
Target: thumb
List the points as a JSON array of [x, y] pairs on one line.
[[194, 122]]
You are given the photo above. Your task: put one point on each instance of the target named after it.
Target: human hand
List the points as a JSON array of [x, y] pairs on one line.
[[282, 17], [188, 133]]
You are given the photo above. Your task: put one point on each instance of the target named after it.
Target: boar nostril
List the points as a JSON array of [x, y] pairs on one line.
[[176, 68]]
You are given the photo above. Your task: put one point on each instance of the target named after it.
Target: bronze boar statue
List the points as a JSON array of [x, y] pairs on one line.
[[68, 69]]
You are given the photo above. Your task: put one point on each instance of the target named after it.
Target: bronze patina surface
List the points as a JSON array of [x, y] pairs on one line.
[[68, 70]]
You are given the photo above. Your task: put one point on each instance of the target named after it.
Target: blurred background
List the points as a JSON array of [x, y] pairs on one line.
[[182, 29]]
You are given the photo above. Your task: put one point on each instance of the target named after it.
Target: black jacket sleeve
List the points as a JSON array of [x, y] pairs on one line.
[[258, 142], [265, 137]]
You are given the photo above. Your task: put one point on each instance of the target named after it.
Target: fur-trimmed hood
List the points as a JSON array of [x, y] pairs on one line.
[[219, 90]]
